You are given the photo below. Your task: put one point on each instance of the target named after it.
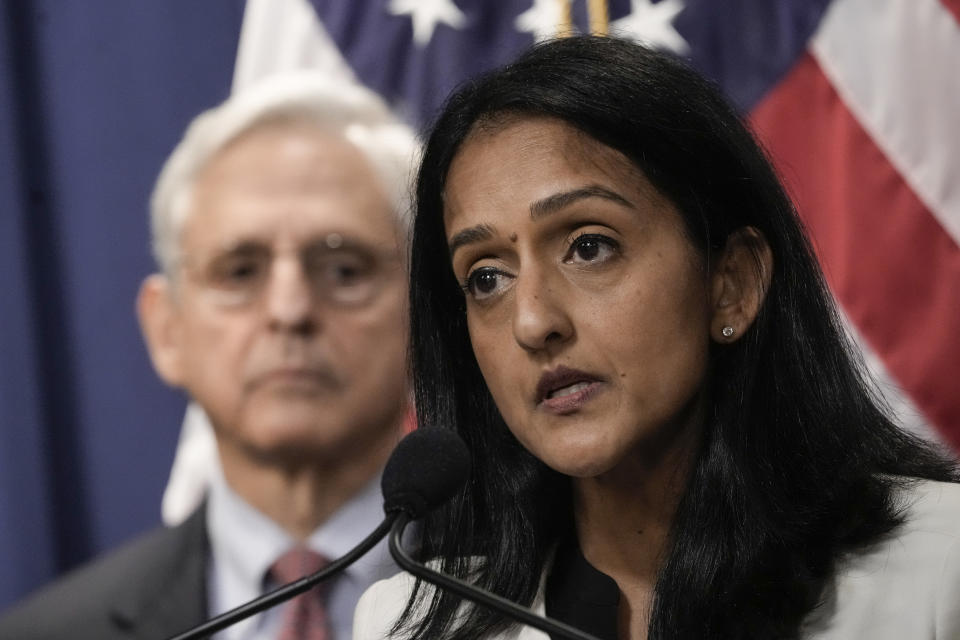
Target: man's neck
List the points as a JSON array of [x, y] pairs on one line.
[[301, 497]]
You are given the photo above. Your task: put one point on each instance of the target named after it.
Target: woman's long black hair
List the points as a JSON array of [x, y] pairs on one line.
[[799, 460]]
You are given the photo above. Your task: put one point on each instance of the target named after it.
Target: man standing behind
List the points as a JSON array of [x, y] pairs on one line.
[[280, 232]]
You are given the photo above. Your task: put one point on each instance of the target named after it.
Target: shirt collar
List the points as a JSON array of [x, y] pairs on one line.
[[245, 542], [346, 528]]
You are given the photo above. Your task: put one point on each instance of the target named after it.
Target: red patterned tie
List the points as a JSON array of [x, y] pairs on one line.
[[305, 617]]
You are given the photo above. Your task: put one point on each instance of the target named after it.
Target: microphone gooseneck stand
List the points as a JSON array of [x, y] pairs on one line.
[[428, 466], [290, 590], [473, 593]]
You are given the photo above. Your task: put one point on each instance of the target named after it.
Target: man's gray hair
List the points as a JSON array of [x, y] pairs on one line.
[[354, 112]]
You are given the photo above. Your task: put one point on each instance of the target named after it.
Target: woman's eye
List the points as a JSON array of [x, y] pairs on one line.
[[485, 282], [591, 248]]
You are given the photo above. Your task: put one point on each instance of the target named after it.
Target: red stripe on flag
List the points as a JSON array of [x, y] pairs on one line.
[[953, 6], [893, 267]]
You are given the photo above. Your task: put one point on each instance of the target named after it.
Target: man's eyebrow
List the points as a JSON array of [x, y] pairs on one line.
[[470, 235], [240, 247], [558, 201]]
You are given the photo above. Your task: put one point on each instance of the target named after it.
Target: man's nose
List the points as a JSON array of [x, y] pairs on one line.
[[540, 315], [290, 299]]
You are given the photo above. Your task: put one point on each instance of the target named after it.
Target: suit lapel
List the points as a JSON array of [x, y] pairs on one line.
[[170, 595]]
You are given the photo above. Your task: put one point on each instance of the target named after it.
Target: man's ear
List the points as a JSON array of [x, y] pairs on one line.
[[160, 324], [740, 279]]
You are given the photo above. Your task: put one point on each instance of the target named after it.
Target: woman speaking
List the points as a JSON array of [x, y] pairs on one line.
[[614, 305]]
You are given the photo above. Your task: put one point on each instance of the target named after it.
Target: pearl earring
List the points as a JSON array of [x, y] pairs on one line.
[[727, 331]]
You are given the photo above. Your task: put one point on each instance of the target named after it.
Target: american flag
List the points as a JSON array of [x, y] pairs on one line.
[[857, 101]]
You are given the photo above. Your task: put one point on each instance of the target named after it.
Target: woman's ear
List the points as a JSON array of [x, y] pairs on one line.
[[740, 279], [159, 322]]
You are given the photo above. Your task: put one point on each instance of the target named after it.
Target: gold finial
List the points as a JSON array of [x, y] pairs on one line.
[[565, 21], [599, 17]]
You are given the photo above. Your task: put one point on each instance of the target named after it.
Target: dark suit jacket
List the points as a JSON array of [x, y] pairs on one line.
[[152, 588]]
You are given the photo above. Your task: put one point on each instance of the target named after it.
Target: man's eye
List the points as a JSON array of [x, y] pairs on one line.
[[591, 248], [485, 282], [243, 271], [236, 272], [345, 273]]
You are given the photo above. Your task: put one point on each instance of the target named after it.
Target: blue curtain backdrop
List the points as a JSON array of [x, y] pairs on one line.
[[93, 96]]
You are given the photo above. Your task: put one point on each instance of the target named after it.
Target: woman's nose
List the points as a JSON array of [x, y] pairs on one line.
[[541, 319]]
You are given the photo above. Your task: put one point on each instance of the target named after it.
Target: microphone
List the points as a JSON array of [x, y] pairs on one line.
[[425, 469], [428, 466], [412, 499]]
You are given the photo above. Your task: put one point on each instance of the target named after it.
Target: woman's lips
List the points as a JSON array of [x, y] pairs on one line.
[[564, 390], [571, 400]]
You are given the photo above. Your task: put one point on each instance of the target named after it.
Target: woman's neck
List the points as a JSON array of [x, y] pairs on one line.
[[623, 520]]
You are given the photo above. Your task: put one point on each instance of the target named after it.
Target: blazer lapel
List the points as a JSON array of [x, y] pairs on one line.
[[171, 594], [538, 606]]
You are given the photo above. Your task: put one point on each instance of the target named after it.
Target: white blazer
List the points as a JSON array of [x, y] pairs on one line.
[[906, 587]]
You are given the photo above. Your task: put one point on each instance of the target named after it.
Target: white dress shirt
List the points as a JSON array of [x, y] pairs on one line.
[[244, 543]]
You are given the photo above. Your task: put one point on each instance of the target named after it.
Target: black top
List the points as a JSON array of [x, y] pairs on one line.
[[581, 596]]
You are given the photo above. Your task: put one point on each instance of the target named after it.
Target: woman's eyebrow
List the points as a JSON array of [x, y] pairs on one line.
[[470, 235], [558, 201], [542, 207]]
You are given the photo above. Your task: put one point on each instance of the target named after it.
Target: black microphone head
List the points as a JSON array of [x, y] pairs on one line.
[[426, 469]]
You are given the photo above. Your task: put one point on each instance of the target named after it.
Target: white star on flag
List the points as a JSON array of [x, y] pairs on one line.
[[652, 25], [426, 14], [542, 19]]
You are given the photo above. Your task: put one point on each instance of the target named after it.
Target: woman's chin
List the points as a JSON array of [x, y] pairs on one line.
[[579, 463]]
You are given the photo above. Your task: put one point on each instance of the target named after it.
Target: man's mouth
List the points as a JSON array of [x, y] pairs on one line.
[[295, 376]]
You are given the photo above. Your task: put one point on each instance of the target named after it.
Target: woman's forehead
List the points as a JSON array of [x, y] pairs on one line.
[[535, 129], [547, 151]]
